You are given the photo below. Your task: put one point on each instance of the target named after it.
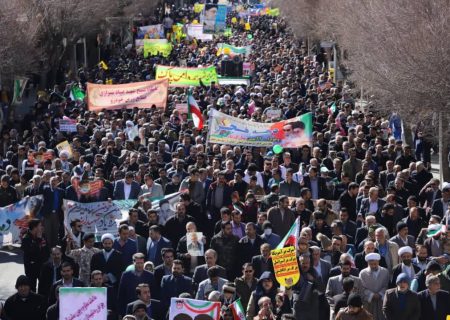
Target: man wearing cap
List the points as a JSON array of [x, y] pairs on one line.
[[403, 238], [354, 309], [24, 304], [375, 281], [140, 311], [108, 261], [400, 303], [406, 266]]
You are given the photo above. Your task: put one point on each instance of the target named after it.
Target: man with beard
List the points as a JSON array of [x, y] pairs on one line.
[[108, 261], [334, 286], [226, 245], [355, 310], [375, 280], [400, 303], [406, 266], [175, 284]]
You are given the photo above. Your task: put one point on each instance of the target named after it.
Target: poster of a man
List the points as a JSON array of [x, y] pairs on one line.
[[209, 18], [294, 134], [195, 244]]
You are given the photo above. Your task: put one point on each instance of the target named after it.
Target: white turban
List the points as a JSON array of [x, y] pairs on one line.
[[107, 236], [405, 249], [372, 256]]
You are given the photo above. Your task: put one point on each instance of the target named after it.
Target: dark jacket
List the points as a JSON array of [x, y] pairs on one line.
[[397, 270], [119, 190], [52, 295], [392, 309], [322, 184], [182, 252], [127, 287], [8, 196], [162, 243], [50, 204], [155, 308], [442, 305], [260, 292], [200, 274], [226, 248], [247, 250], [210, 203], [113, 265], [261, 265], [172, 287], [33, 308], [244, 291]]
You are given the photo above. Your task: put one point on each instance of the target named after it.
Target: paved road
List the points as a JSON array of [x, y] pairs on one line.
[[11, 266]]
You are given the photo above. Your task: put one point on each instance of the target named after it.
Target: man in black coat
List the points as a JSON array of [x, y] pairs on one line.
[[109, 261], [153, 307], [67, 280], [24, 304], [433, 301], [35, 251], [400, 303], [249, 246]]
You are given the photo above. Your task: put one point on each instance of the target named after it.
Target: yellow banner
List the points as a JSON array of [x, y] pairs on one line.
[[155, 48], [285, 266], [65, 146], [185, 77], [198, 7]]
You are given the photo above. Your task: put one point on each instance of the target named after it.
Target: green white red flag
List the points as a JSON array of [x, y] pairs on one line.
[[194, 112]]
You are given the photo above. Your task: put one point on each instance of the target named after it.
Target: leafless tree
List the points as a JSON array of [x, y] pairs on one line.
[[397, 50]]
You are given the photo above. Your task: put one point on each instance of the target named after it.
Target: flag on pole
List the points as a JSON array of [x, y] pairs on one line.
[[238, 310], [291, 238], [194, 112], [76, 93], [19, 87]]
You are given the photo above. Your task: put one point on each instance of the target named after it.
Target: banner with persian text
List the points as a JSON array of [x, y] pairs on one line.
[[185, 77], [83, 303], [285, 266], [291, 133], [129, 95]]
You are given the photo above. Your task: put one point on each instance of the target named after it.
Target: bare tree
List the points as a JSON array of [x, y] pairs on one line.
[[398, 50]]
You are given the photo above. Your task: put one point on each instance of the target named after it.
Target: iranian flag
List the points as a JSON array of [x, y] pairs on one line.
[[238, 310], [291, 238], [194, 112], [76, 93]]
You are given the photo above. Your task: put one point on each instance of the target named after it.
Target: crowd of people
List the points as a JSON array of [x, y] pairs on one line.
[[373, 242]]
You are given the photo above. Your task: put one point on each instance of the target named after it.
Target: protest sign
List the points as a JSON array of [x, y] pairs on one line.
[[67, 125], [182, 108], [246, 69], [196, 31], [139, 43], [65, 146], [90, 187], [83, 303], [194, 243], [39, 157], [155, 48], [285, 266], [191, 309], [291, 133], [224, 47], [14, 219], [96, 217], [214, 18], [155, 31], [129, 95], [185, 77]]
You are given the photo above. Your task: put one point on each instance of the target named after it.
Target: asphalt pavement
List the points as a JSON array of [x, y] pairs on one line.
[[11, 266]]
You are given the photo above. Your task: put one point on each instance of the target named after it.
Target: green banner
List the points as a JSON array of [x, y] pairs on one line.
[[155, 48], [224, 48], [185, 77]]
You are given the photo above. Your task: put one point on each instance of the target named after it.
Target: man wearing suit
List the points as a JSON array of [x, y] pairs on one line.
[[164, 269], [175, 284], [67, 280], [289, 187], [321, 266], [249, 245], [375, 281], [372, 204], [127, 188], [50, 272], [349, 226], [52, 210], [151, 189], [131, 279], [334, 286], [363, 232], [406, 266], [400, 303], [153, 307], [108, 261], [262, 262], [155, 244], [200, 272], [347, 200], [140, 241], [352, 165], [133, 221], [440, 206], [213, 283], [403, 238], [316, 184], [281, 217], [434, 302], [387, 175]]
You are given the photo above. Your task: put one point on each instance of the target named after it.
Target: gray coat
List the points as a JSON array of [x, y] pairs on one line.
[[373, 285], [334, 287]]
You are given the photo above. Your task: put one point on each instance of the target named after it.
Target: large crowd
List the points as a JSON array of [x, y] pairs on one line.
[[373, 242]]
